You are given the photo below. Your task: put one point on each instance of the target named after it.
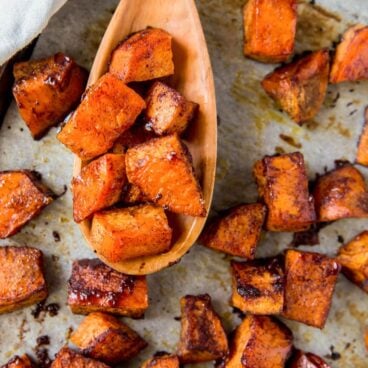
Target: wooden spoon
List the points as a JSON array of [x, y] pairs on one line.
[[193, 77]]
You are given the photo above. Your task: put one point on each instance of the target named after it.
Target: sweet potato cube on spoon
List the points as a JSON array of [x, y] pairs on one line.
[[163, 170], [22, 282], [67, 358], [167, 110], [132, 232], [93, 128], [162, 361], [341, 193], [202, 336], [351, 57], [99, 185], [301, 359], [19, 362], [95, 287], [103, 337], [47, 90], [269, 29], [300, 87], [143, 56], [260, 341], [22, 197]]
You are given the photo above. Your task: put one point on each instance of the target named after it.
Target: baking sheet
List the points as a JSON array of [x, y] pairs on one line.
[[249, 127]]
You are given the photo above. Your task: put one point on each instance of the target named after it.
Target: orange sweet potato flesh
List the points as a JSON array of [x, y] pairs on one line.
[[47, 90], [351, 58], [162, 361], [261, 342], [310, 282], [67, 358], [143, 56], [300, 87], [22, 282], [95, 287], [103, 337], [131, 232], [22, 197], [202, 336], [341, 193], [163, 170], [301, 359], [236, 233], [167, 110], [18, 362], [99, 185], [283, 186], [353, 257], [362, 151], [93, 128], [258, 286], [269, 29]]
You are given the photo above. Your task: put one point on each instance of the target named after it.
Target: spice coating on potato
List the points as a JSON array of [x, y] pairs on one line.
[[258, 286], [167, 110], [202, 336], [47, 90], [162, 361], [236, 233], [283, 186], [143, 56], [301, 359], [353, 257], [133, 195], [18, 362], [300, 87], [269, 29], [67, 358], [131, 232], [362, 151], [22, 197], [105, 338], [261, 342], [94, 286], [163, 170], [22, 282], [341, 193], [310, 282], [99, 185], [351, 57], [93, 128]]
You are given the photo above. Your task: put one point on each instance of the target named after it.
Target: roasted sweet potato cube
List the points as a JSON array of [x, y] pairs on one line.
[[167, 110], [18, 362], [300, 359], [299, 88], [162, 361], [261, 342], [341, 193], [353, 258], [67, 358], [362, 151], [202, 336], [283, 186], [351, 57], [258, 286], [310, 280], [163, 170], [22, 282], [93, 128], [105, 338], [95, 287], [22, 197], [47, 90], [143, 56], [366, 338], [269, 29], [99, 185], [131, 232], [133, 195], [236, 233]]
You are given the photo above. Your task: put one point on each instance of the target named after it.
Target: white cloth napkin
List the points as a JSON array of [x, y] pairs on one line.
[[21, 21]]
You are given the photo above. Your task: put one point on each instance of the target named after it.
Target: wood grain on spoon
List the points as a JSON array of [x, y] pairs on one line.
[[193, 78]]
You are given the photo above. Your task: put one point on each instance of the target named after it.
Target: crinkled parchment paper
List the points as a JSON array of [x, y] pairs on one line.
[[249, 127]]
